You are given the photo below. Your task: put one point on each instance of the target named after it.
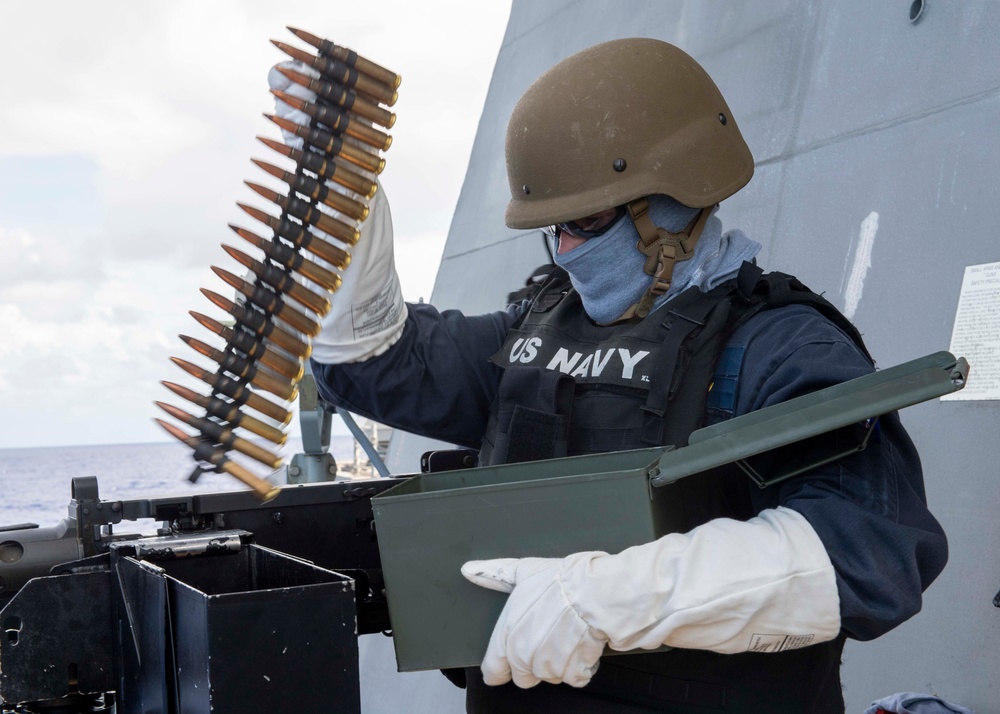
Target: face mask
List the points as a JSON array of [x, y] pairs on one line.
[[607, 270]]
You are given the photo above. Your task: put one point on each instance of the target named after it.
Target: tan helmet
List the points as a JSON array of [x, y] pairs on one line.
[[618, 121]]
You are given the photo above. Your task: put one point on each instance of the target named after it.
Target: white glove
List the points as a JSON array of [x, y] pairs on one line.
[[368, 312], [276, 80], [764, 585]]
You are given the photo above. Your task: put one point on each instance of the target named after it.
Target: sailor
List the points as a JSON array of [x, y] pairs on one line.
[[656, 322]]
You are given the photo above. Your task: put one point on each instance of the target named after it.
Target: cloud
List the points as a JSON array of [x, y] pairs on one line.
[[124, 142], [96, 364]]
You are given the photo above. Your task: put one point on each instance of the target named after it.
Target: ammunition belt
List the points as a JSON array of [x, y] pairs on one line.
[[276, 315]]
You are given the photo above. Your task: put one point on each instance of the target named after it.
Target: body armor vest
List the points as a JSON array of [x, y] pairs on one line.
[[572, 387]]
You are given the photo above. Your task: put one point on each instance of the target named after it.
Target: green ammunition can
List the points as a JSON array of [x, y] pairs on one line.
[[433, 523]]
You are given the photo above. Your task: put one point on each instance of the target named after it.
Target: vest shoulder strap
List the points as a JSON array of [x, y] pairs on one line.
[[776, 289], [546, 294], [532, 284], [689, 366]]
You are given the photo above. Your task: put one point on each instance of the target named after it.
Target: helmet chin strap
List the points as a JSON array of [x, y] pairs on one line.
[[662, 250]]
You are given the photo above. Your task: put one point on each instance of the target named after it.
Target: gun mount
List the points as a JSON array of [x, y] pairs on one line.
[[88, 611]]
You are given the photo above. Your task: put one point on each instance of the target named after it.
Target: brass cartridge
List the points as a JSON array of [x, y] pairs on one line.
[[350, 58], [228, 412], [254, 348], [332, 145], [342, 96], [210, 454], [290, 259], [309, 214], [297, 235], [222, 435], [336, 71], [270, 302], [325, 168], [240, 393], [282, 282], [244, 369], [258, 323], [338, 120], [317, 191]]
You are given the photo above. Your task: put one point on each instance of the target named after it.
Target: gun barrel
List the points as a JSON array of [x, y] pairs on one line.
[[31, 552]]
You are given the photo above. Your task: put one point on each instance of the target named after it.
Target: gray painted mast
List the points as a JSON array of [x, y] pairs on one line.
[[877, 166]]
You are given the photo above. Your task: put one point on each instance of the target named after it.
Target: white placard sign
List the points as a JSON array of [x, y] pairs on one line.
[[976, 333]]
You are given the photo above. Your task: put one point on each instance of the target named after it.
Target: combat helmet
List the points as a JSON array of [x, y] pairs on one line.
[[615, 123], [618, 121]]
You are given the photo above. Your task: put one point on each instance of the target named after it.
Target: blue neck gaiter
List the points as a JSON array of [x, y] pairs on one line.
[[607, 270]]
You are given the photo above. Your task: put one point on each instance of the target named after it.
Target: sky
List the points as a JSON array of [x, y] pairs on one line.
[[125, 136]]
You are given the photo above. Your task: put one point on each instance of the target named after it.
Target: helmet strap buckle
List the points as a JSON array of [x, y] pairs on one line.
[[662, 250]]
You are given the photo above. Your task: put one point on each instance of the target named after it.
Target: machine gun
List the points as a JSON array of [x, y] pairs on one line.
[[232, 605], [236, 605]]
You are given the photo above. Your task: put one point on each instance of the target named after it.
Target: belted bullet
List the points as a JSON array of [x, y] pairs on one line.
[[282, 282], [228, 412], [257, 322], [337, 71], [297, 235], [244, 369], [350, 58], [222, 435], [342, 96], [317, 191], [254, 348], [210, 454], [290, 259], [347, 123], [325, 167], [332, 145], [338, 120], [310, 214], [239, 392], [270, 302]]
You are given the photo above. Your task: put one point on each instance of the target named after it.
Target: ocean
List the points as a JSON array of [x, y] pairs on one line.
[[35, 483]]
